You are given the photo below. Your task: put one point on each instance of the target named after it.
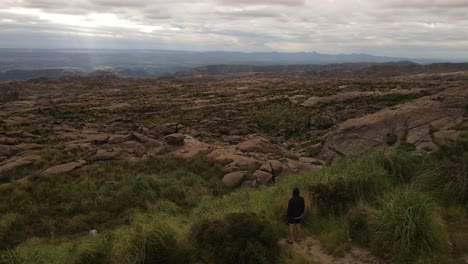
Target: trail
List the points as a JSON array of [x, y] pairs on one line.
[[312, 250]]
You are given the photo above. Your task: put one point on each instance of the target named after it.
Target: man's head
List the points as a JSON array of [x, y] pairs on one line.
[[296, 191]]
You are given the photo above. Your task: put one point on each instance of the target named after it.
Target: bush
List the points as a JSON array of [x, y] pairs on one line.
[[404, 227], [239, 238]]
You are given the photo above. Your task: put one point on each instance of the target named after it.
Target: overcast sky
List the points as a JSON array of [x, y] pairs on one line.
[[409, 28]]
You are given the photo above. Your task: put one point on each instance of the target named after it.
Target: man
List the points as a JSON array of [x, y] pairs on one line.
[[295, 211]]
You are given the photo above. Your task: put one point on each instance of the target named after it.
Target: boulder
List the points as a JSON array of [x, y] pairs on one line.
[[234, 179], [116, 139], [167, 129], [276, 166], [241, 163], [64, 168], [175, 139], [266, 167], [98, 139], [103, 154], [263, 176], [141, 138], [262, 145], [154, 147]]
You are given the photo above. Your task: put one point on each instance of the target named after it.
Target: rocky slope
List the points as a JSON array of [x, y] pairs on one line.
[[260, 127]]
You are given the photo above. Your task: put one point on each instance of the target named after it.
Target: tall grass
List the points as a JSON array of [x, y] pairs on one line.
[[405, 227]]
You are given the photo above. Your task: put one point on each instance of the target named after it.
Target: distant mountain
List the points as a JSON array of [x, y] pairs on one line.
[[343, 70], [23, 64], [26, 74]]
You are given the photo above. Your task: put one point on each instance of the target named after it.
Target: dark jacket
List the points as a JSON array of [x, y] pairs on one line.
[[295, 206]]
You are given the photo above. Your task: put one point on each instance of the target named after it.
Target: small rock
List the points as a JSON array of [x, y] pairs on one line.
[[93, 232]]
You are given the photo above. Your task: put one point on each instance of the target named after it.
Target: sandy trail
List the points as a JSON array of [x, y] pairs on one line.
[[313, 251]]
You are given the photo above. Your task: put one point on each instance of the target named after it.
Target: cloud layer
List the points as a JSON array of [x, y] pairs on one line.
[[410, 28]]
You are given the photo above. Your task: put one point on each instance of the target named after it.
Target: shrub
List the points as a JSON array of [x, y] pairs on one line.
[[404, 227], [238, 238]]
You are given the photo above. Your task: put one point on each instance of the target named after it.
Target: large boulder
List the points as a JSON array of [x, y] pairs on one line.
[[412, 123], [234, 179]]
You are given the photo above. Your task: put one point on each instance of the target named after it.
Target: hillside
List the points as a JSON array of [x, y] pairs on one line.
[[103, 169]]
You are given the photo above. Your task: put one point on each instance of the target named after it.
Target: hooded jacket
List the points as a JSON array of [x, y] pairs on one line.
[[295, 205]]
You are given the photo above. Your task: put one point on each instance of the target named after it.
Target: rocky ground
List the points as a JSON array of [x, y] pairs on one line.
[[261, 126]]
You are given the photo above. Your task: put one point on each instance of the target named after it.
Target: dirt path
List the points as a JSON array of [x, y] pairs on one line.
[[313, 251]]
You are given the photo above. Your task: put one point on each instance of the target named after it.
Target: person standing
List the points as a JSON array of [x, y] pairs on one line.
[[295, 211]]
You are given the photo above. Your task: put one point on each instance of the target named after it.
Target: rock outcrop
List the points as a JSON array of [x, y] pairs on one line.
[[421, 123]]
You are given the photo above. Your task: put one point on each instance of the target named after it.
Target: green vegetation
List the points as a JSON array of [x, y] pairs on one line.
[[405, 207]]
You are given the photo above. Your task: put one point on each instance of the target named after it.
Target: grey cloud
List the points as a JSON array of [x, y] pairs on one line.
[[263, 2], [250, 13], [392, 27]]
